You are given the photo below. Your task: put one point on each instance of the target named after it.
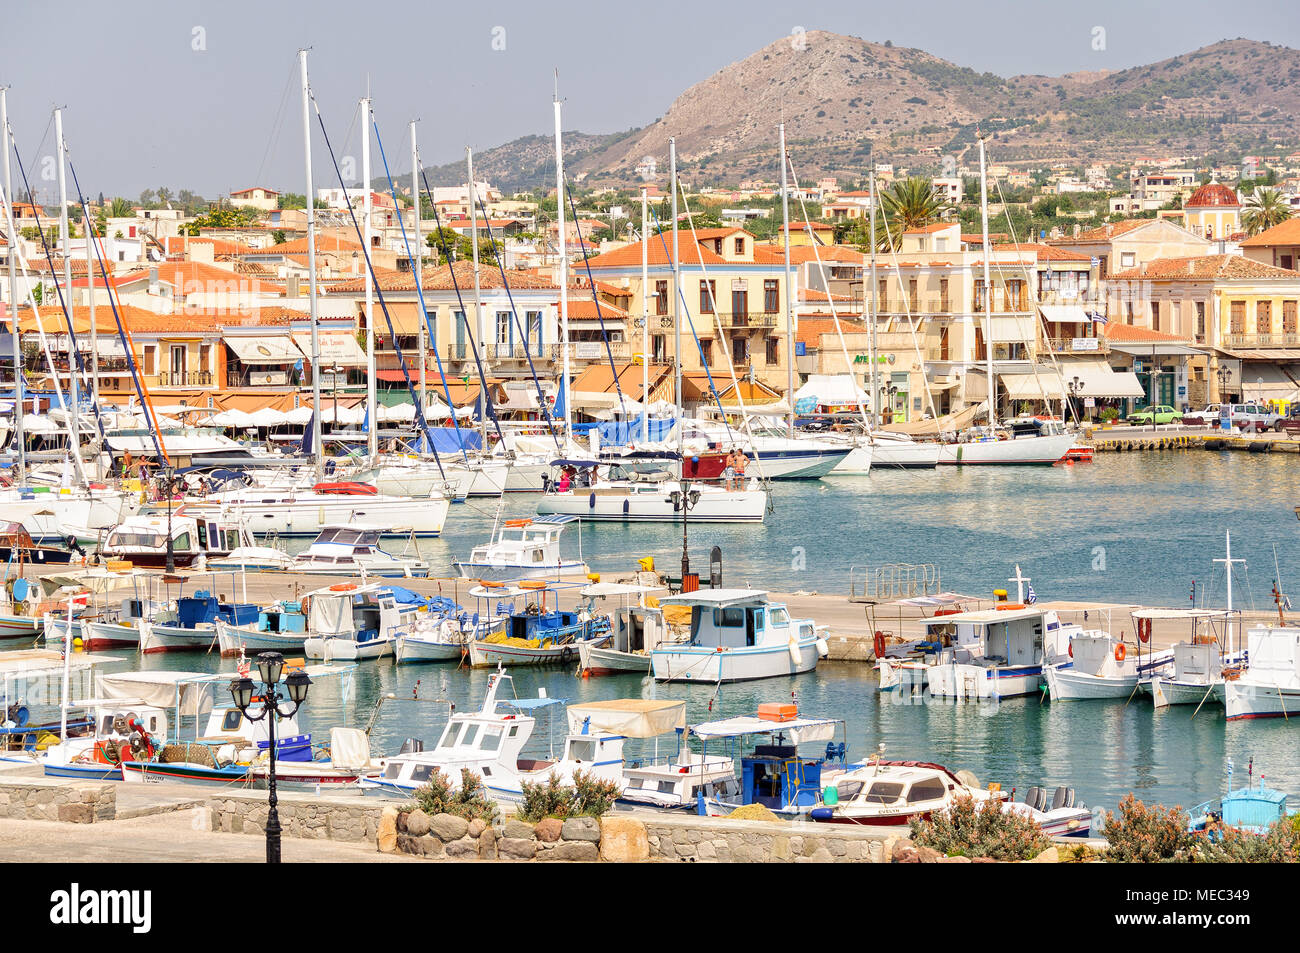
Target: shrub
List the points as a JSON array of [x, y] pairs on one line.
[[1144, 834], [469, 801], [588, 796], [986, 830], [1279, 845]]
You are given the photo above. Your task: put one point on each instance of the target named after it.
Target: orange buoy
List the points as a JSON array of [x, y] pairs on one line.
[[343, 587], [1011, 605], [1121, 650]]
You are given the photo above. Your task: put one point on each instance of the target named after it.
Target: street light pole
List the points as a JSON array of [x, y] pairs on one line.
[[169, 475]]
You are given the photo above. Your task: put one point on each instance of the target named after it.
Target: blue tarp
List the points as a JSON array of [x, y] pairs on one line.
[[406, 597], [619, 433], [448, 440]]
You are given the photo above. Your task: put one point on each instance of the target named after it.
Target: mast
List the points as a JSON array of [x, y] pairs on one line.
[[789, 310], [988, 284], [875, 305], [417, 267], [372, 397], [478, 294], [74, 385], [311, 275], [19, 439], [645, 315], [564, 270], [1227, 566], [677, 320]]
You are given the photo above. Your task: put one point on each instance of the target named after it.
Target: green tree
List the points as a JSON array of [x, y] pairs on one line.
[[278, 237], [1265, 208], [911, 203], [119, 208], [291, 200]]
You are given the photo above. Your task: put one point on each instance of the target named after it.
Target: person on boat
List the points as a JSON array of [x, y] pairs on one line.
[[742, 461], [729, 471], [564, 482]]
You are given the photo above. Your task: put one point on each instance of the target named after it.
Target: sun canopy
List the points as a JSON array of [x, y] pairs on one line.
[[193, 691], [1097, 379], [265, 350], [715, 598], [1045, 385], [630, 717], [799, 729]]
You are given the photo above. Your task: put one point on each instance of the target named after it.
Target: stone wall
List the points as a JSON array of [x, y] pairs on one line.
[[301, 815], [717, 839], [52, 799]]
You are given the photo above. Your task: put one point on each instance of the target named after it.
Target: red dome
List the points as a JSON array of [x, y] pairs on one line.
[[1211, 195]]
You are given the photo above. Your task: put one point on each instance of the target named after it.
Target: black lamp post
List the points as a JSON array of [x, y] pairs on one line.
[[169, 479], [1223, 374], [683, 501], [1076, 386], [270, 665]]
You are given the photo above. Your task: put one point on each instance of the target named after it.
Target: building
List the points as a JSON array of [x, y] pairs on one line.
[[1213, 212], [1278, 246], [1120, 246], [256, 197]]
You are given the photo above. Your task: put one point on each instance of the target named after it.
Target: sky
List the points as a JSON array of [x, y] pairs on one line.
[[204, 95]]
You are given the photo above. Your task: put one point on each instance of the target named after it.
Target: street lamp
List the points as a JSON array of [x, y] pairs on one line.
[[270, 665], [1076, 387], [169, 478], [684, 500], [1223, 373]]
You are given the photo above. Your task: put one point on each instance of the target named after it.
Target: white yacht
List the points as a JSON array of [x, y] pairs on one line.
[[352, 549], [628, 494], [194, 535], [737, 635], [523, 549], [304, 512]]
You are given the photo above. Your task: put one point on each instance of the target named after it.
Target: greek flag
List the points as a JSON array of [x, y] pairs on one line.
[[1097, 317], [1031, 597]]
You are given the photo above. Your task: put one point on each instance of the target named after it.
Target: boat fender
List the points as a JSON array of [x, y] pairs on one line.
[[793, 646], [1070, 649], [566, 654], [1121, 651], [878, 643], [591, 501], [823, 648], [627, 506]]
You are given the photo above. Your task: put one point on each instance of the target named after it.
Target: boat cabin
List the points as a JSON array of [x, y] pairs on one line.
[[340, 544], [204, 609], [142, 538], [353, 613], [635, 626], [736, 618], [230, 726]]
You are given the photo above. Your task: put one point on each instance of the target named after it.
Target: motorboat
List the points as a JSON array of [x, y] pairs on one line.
[[1023, 441], [523, 549], [773, 454], [1058, 814], [894, 793], [252, 559], [1202, 662], [1100, 665], [774, 774], [737, 635], [1268, 686], [442, 634], [350, 622], [349, 761], [194, 536], [18, 550], [636, 628], [998, 653], [536, 635], [631, 493], [352, 549], [305, 512]]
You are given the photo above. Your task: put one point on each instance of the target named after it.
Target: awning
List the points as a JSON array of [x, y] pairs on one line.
[[1014, 329], [1270, 380], [335, 348], [1045, 385], [1099, 380], [1158, 348], [631, 717], [1269, 354], [405, 315], [268, 350], [1064, 313], [799, 729]]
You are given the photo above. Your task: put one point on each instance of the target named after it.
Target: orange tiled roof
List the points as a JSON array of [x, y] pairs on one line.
[[629, 256], [1286, 233], [1106, 232], [1206, 268], [1213, 195], [179, 244], [439, 278], [184, 275], [934, 227], [811, 328], [1044, 252], [585, 309], [324, 243], [142, 321], [1134, 334]]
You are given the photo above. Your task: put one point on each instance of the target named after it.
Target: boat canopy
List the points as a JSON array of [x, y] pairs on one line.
[[799, 729], [630, 717], [616, 589], [716, 598], [1180, 613], [532, 704], [990, 616], [191, 693]]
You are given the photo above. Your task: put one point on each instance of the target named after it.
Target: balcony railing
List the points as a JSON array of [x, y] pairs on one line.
[[185, 379], [1079, 345], [1287, 339], [743, 319]]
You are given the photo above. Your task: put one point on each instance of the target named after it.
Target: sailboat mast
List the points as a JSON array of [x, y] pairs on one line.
[[875, 305], [417, 267], [372, 395], [789, 288], [564, 271], [645, 314], [988, 284], [90, 296], [311, 275], [478, 293], [677, 317], [74, 384], [19, 439]]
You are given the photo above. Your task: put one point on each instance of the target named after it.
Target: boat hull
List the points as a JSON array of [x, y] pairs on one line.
[[19, 626], [949, 680], [421, 650], [232, 637], [497, 572], [1026, 451], [109, 635], [491, 654], [654, 506], [348, 650], [1065, 684], [595, 660], [307, 515], [1168, 691], [1243, 700], [700, 664], [155, 638]]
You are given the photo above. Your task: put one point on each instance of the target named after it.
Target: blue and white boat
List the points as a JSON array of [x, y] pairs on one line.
[[1000, 652], [350, 622], [280, 627], [1252, 809], [195, 625], [737, 635], [534, 634]]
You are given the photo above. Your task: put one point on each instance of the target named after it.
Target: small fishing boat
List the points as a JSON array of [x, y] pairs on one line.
[[352, 549], [636, 628], [442, 634], [19, 615], [536, 635], [18, 550], [349, 761], [1103, 666], [120, 729], [350, 622], [1251, 809], [195, 624], [523, 549], [738, 635], [280, 627], [1268, 686]]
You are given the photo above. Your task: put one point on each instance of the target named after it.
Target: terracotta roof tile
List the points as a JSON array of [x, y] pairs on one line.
[[1205, 268], [1286, 233]]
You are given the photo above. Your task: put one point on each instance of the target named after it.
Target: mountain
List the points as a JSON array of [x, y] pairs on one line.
[[842, 96], [523, 164]]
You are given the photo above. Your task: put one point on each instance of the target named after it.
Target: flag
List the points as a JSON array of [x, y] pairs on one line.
[[1097, 317], [1032, 596]]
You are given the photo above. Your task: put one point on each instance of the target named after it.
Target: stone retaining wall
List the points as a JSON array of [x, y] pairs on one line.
[[301, 815], [693, 839], [52, 799]]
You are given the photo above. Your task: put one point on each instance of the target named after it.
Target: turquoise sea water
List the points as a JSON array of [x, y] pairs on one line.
[[1158, 519]]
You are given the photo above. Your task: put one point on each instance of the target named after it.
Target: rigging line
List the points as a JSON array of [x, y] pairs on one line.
[[277, 124], [418, 402], [442, 238], [830, 300], [39, 146], [374, 280], [541, 397], [600, 315]]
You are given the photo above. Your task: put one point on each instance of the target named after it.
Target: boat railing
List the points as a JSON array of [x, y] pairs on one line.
[[893, 581]]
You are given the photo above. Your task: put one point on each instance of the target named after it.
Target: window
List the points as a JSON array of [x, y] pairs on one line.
[[848, 790], [882, 294], [780, 616], [773, 352], [1288, 317], [661, 297], [1127, 259], [462, 329], [706, 352], [230, 721], [740, 305], [1264, 317], [1015, 295], [884, 792], [533, 332], [421, 772], [728, 618], [504, 333], [771, 296], [929, 790], [448, 739], [981, 295], [1238, 318], [182, 543], [708, 294], [1200, 320], [1155, 315], [911, 294], [943, 294], [739, 351], [584, 750], [740, 246]]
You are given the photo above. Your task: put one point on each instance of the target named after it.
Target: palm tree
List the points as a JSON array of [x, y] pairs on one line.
[[119, 208], [1264, 209], [911, 203]]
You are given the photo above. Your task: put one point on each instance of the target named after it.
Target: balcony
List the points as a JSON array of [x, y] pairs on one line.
[[1286, 339], [742, 319], [1079, 345], [185, 379]]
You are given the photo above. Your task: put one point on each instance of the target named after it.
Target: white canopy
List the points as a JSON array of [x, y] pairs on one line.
[[194, 691], [1044, 385], [631, 717], [715, 598], [1097, 379], [799, 729], [833, 390], [265, 349]]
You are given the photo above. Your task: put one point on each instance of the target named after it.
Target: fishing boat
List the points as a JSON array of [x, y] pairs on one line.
[[119, 729], [118, 627], [349, 761], [773, 774], [737, 635], [1103, 666], [631, 493], [439, 636], [20, 617], [194, 627], [1000, 652], [280, 627], [536, 635], [523, 549], [18, 550], [1253, 809], [490, 743], [352, 549], [636, 628], [1268, 686], [350, 622]]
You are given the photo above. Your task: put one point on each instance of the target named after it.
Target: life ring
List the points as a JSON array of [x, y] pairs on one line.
[[1144, 630], [1010, 605], [1121, 651], [566, 654], [878, 643], [343, 587]]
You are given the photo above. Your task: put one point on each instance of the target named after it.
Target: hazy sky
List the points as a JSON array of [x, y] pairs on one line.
[[186, 93]]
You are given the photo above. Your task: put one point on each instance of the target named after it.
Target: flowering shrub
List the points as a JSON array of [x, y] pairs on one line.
[[589, 796], [1147, 835], [469, 801], [1280, 845], [984, 831]]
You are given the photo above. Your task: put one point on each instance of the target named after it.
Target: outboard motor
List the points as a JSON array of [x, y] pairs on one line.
[[411, 746]]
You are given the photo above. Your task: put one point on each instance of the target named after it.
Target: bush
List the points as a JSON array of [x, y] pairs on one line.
[[1147, 835], [1280, 845], [980, 831], [469, 801], [588, 796]]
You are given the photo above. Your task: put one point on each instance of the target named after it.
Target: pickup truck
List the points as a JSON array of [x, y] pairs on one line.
[[1256, 418]]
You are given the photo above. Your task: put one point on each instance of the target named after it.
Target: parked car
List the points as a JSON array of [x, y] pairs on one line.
[[1255, 418], [1207, 416], [1161, 414]]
